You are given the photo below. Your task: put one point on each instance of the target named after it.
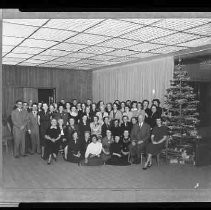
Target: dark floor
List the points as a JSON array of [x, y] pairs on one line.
[[33, 173]]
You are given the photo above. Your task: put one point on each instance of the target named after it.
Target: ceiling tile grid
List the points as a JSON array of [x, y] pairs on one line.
[[176, 38], [118, 43], [102, 57], [167, 49], [10, 29], [6, 40], [52, 34], [69, 47], [180, 24], [143, 55], [113, 27], [147, 33], [204, 30], [67, 59], [51, 52], [34, 61], [96, 50], [7, 48], [144, 47], [38, 43], [19, 55], [44, 57], [121, 52], [10, 59], [27, 50], [78, 25], [80, 55], [92, 43], [87, 39], [142, 21], [197, 42], [30, 22]]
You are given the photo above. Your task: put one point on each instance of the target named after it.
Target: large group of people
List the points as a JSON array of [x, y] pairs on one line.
[[89, 133]]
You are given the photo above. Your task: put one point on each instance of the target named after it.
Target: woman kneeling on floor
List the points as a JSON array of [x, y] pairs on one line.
[[72, 151], [52, 135], [93, 153], [116, 154]]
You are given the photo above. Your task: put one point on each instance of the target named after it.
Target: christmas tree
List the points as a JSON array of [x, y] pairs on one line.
[[181, 116]]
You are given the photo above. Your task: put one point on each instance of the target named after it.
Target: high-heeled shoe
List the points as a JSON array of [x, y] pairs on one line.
[[49, 161], [149, 165]]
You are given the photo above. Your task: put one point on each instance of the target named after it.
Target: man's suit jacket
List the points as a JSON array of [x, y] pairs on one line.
[[142, 133], [20, 118], [33, 123]]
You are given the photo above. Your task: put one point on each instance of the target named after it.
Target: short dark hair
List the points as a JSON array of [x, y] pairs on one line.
[[105, 117], [93, 135], [17, 101], [144, 101], [96, 116], [156, 99]]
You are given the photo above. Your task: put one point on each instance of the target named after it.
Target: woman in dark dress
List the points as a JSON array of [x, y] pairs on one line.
[[125, 144], [145, 104], [116, 154], [156, 102], [74, 114], [116, 129], [82, 112], [158, 138], [85, 142], [52, 135], [88, 114], [153, 116], [83, 126], [68, 107], [106, 126], [44, 121], [122, 107], [73, 150], [93, 110]]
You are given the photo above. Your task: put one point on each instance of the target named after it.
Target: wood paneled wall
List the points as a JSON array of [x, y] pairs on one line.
[[69, 84]]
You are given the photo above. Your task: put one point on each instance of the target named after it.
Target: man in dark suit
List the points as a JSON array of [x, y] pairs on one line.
[[62, 114], [20, 125], [140, 135], [125, 125], [34, 129]]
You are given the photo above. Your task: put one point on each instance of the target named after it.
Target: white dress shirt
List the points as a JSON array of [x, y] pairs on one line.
[[94, 149]]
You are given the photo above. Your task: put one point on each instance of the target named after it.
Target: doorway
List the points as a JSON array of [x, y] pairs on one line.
[[46, 95]]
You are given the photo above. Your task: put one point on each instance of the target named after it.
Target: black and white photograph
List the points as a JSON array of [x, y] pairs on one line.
[[106, 108]]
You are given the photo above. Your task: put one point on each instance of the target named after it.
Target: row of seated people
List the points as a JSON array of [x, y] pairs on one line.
[[96, 124], [111, 149]]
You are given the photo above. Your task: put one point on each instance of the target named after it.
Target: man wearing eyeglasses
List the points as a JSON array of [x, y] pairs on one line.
[[20, 122]]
